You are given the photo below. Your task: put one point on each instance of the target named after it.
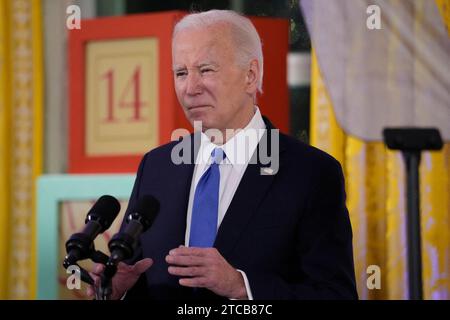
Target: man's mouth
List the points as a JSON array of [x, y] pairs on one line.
[[191, 108]]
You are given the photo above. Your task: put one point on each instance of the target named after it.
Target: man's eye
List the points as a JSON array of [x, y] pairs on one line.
[[180, 74], [206, 70]]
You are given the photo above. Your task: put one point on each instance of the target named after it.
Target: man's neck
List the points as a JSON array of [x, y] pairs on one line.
[[229, 133]]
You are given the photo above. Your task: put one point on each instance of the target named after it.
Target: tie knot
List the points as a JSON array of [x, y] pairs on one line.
[[218, 155]]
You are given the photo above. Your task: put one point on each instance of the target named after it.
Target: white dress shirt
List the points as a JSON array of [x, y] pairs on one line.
[[238, 150]]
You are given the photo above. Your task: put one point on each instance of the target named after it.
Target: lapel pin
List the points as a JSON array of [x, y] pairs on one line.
[[267, 171]]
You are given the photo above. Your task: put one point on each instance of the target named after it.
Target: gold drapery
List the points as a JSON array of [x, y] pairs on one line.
[[21, 82], [375, 184]]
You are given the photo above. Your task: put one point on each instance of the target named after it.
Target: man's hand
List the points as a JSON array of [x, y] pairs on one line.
[[124, 279], [206, 268]]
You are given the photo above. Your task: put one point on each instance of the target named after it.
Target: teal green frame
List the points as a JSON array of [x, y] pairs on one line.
[[53, 189]]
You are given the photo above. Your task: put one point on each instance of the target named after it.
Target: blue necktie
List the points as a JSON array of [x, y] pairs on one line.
[[206, 204]]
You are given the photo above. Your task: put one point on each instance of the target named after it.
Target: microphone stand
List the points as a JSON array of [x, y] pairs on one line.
[[411, 142], [105, 289]]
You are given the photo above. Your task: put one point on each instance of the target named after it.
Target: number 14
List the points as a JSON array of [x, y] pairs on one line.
[[133, 84]]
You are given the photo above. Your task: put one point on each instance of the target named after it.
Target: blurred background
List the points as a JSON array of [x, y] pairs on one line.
[[346, 76]]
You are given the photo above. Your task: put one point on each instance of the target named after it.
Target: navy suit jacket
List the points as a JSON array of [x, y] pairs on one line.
[[289, 232]]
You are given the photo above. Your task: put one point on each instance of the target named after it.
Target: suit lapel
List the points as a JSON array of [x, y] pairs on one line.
[[249, 194], [181, 176], [184, 172]]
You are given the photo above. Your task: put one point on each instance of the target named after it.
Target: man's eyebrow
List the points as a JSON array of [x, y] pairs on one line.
[[178, 68], [207, 64], [203, 64]]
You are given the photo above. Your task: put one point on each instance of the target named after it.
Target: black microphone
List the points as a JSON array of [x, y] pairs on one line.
[[102, 214], [123, 244]]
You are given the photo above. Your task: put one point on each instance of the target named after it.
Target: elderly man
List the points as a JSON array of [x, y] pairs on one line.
[[226, 227]]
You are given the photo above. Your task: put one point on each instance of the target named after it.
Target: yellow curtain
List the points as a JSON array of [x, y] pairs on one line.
[[21, 84], [375, 184], [444, 8], [4, 151]]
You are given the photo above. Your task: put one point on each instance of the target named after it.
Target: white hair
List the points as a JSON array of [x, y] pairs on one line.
[[245, 36]]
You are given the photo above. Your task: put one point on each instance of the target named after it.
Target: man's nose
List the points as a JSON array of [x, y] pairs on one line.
[[193, 83]]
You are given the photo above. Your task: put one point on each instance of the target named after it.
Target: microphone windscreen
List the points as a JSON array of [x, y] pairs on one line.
[[147, 207], [105, 210]]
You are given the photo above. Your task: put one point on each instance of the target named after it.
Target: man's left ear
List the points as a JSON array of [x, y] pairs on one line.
[[252, 76]]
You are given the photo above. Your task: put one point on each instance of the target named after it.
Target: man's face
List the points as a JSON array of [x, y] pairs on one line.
[[209, 84]]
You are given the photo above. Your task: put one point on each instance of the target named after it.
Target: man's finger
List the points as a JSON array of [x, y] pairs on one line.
[[191, 251], [95, 277], [198, 282], [187, 272], [90, 291], [142, 265], [186, 260], [98, 268]]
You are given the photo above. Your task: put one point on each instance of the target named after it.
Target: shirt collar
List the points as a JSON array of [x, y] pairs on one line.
[[240, 148]]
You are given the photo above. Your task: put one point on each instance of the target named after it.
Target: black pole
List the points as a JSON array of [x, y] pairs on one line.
[[412, 161], [411, 142]]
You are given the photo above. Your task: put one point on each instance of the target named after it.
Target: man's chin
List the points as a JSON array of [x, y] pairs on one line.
[[200, 120]]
